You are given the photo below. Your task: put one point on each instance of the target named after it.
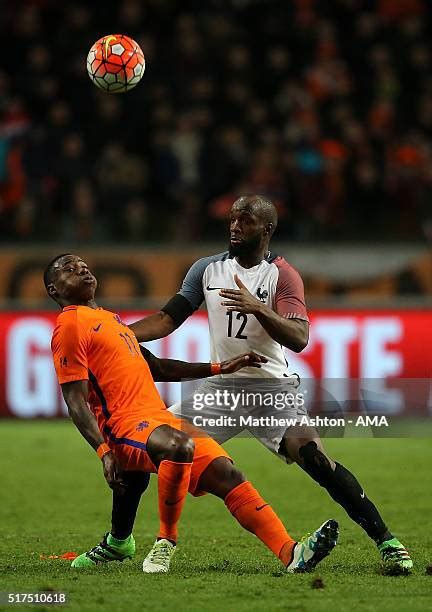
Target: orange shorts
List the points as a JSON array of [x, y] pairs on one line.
[[129, 444]]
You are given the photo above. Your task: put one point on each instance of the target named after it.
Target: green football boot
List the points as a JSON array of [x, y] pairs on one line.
[[110, 549], [395, 557]]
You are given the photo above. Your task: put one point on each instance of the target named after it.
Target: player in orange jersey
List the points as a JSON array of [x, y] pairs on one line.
[[113, 401]]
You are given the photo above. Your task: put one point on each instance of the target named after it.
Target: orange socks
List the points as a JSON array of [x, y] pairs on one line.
[[254, 514], [173, 484]]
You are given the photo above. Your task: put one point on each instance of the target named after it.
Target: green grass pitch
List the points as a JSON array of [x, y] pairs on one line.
[[54, 499]]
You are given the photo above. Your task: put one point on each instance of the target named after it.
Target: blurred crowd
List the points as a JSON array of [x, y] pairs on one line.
[[325, 107]]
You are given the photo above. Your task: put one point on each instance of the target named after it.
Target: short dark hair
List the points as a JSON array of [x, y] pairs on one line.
[[49, 270]]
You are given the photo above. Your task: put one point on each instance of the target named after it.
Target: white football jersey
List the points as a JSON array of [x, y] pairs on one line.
[[273, 281]]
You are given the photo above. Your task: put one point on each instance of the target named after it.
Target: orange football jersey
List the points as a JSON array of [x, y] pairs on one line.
[[95, 345]]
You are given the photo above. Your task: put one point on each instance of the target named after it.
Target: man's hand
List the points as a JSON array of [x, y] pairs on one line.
[[241, 299], [247, 360], [111, 470]]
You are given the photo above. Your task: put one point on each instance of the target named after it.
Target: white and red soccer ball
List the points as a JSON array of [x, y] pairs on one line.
[[115, 63]]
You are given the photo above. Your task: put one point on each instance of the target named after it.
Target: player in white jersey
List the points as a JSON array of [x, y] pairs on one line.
[[277, 287], [255, 301]]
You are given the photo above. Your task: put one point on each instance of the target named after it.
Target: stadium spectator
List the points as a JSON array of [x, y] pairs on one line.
[[311, 103]]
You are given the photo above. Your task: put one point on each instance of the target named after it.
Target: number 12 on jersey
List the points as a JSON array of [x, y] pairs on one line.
[[240, 317]]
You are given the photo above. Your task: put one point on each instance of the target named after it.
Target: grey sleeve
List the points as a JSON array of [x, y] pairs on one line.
[[192, 287]]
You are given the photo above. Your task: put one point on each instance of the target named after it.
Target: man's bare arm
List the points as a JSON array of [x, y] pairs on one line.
[[292, 333], [164, 322], [155, 326], [172, 370], [75, 395]]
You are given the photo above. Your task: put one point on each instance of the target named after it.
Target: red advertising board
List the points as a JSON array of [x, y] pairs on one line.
[[382, 345]]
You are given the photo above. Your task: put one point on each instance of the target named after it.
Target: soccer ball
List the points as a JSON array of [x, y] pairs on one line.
[[115, 63]]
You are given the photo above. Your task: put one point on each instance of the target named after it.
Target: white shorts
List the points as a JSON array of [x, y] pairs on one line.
[[226, 407]]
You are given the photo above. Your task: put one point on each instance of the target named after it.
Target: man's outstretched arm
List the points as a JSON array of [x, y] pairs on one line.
[[177, 309], [75, 395], [171, 370], [155, 326]]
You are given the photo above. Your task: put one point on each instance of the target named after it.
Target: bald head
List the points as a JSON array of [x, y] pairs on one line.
[[260, 207]]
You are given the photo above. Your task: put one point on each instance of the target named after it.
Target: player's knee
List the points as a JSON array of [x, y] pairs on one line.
[[180, 447], [315, 463]]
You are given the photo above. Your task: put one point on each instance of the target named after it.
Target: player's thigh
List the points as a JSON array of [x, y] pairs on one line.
[[130, 438], [130, 449]]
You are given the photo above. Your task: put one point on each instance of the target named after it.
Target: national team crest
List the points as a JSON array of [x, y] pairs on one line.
[[262, 294]]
